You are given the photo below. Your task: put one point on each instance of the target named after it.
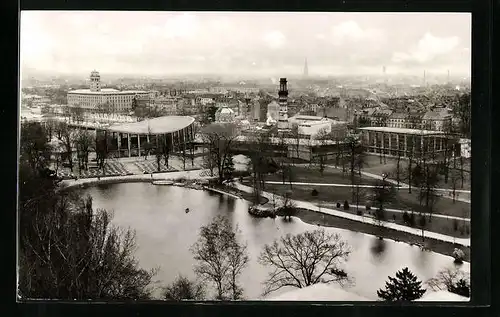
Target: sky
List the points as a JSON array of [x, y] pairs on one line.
[[244, 43]]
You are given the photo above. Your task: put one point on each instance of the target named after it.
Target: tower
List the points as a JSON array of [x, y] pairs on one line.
[[283, 103], [95, 81], [306, 69], [384, 74], [425, 82]]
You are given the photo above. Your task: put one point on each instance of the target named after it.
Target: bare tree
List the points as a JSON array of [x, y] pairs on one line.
[[447, 278], [83, 143], [322, 137], [69, 251], [383, 193], [304, 259], [184, 289], [221, 258], [294, 133], [220, 139], [67, 141]]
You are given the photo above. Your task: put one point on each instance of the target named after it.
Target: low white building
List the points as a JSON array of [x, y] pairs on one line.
[[311, 125]]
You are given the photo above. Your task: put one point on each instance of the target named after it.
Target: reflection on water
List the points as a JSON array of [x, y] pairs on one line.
[[378, 248], [165, 232]]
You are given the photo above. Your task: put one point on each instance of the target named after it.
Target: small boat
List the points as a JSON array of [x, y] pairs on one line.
[[179, 184], [187, 210], [164, 182]]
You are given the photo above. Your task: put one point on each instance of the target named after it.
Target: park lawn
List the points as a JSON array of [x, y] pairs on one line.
[[329, 176], [389, 166], [403, 199], [329, 196], [437, 224], [316, 218]]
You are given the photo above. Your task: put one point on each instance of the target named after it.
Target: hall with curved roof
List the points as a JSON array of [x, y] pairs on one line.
[[161, 125]]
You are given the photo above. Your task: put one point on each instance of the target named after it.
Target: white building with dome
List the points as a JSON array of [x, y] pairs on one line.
[[90, 99], [225, 115]]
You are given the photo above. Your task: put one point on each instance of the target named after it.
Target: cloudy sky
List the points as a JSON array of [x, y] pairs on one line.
[[239, 43]]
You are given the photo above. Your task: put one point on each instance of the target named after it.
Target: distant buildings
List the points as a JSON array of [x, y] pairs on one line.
[[273, 109], [91, 99], [225, 115]]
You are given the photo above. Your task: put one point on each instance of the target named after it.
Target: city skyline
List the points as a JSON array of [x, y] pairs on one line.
[[244, 43]]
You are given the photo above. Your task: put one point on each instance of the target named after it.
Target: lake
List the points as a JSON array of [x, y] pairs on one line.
[[165, 232]]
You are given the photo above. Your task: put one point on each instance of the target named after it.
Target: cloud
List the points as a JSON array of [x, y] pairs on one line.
[[428, 48], [184, 25], [350, 31], [275, 39]]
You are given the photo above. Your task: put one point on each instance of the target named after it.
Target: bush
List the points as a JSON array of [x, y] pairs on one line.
[[359, 212], [184, 289], [368, 207], [394, 217], [422, 221], [455, 225], [338, 205], [240, 173], [346, 205], [314, 193], [406, 218], [459, 255], [379, 214], [412, 219]]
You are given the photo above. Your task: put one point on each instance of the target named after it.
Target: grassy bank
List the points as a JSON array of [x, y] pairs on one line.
[[442, 247]]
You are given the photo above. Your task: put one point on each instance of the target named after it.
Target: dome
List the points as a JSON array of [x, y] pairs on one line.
[[94, 73]]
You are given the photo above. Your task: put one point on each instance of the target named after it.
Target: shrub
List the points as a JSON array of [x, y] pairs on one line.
[[346, 205], [184, 289], [359, 212], [406, 218], [422, 221], [412, 219], [314, 193], [338, 205], [394, 217], [455, 225], [458, 255], [368, 207]]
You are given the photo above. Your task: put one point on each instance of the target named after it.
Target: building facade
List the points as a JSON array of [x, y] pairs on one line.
[[93, 98], [404, 142]]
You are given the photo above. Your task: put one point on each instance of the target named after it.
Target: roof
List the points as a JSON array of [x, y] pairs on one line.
[[398, 115], [225, 110], [436, 115], [400, 130], [161, 125], [106, 91], [319, 292], [309, 118]]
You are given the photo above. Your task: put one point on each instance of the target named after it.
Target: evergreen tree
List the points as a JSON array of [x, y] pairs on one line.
[[460, 288], [404, 287]]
